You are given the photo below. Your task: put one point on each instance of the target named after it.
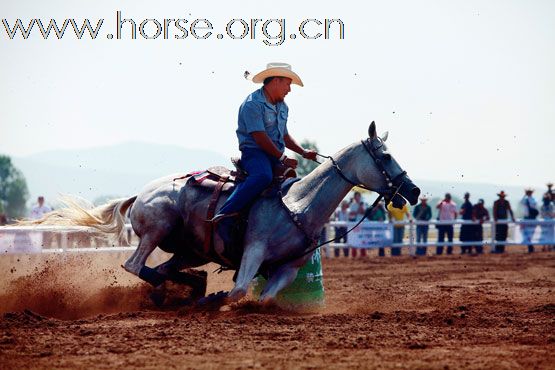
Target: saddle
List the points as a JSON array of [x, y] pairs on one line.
[[218, 180]]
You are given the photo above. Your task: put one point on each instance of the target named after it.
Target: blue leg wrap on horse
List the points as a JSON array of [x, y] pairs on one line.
[[151, 276]]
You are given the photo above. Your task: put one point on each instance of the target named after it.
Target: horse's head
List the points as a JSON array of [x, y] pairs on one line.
[[393, 182]]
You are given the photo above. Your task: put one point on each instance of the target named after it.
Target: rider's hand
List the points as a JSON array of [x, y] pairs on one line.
[[290, 162], [310, 154]]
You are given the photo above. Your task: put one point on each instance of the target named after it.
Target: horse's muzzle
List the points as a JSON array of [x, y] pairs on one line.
[[409, 191]]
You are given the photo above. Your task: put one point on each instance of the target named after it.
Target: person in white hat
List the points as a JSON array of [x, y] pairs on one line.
[[263, 137], [422, 212], [530, 208], [501, 211]]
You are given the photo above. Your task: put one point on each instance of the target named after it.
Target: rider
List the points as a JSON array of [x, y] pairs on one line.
[[263, 137]]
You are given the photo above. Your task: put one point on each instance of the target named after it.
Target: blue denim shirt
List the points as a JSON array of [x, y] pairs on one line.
[[257, 114]]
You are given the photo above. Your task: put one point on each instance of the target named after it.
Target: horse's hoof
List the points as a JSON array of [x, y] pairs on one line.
[[158, 296], [185, 302], [214, 300], [268, 302]]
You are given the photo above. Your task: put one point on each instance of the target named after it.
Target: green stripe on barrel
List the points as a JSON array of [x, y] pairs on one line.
[[306, 292]]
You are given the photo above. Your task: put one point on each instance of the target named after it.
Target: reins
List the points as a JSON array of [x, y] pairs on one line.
[[342, 175], [338, 170], [312, 249], [392, 189]]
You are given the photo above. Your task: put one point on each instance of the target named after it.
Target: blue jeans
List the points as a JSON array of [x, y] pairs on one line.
[[443, 230], [527, 235], [340, 231], [421, 237], [398, 234], [259, 165]]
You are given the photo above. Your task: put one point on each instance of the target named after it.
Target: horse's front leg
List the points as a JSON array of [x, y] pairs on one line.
[[279, 280], [250, 263]]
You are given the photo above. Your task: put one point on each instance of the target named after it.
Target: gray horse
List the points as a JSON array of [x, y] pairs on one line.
[[170, 214]]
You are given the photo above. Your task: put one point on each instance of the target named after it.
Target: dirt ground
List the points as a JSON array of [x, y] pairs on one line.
[[443, 312]]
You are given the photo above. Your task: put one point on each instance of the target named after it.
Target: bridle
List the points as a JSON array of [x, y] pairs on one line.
[[392, 176], [374, 148]]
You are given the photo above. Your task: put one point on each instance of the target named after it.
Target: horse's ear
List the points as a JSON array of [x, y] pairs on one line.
[[372, 131], [385, 135]]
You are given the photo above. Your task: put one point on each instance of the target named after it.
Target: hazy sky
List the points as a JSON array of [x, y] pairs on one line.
[[466, 88]]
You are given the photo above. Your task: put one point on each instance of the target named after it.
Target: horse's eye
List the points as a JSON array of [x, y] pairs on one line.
[[387, 157]]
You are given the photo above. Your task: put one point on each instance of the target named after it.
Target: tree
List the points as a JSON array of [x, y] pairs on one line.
[[306, 166], [13, 189]]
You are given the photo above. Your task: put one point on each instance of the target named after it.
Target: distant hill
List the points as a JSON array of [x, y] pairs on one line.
[[117, 170], [121, 170]]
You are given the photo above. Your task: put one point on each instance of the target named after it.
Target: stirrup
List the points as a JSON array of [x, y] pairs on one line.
[[220, 216]]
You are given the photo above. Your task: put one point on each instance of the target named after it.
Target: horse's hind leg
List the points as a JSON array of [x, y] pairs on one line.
[[173, 265], [193, 278], [136, 263]]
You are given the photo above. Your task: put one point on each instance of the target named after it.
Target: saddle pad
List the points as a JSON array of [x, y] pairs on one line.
[[209, 179]]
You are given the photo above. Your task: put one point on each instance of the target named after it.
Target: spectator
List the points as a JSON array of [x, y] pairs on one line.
[[548, 213], [422, 212], [480, 214], [447, 212], [37, 212], [467, 230], [356, 212], [501, 211], [550, 192], [530, 208], [40, 209], [341, 214], [377, 214], [396, 214]]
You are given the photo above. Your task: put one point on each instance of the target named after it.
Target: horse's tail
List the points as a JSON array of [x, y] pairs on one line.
[[108, 218]]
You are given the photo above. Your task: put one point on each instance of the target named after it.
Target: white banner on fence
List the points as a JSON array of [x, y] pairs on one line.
[[370, 235]]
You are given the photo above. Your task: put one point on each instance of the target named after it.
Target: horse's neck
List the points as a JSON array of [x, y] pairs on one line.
[[317, 195]]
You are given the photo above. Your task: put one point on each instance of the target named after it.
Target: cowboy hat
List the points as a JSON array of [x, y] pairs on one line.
[[502, 194], [277, 70], [528, 190]]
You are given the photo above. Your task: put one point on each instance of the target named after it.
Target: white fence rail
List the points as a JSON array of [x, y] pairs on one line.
[[60, 239], [57, 239]]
